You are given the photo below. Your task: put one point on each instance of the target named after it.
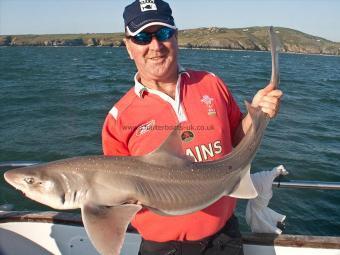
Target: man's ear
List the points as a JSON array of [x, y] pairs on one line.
[[127, 44]]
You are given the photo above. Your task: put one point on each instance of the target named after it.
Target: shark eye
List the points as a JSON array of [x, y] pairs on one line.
[[29, 180]]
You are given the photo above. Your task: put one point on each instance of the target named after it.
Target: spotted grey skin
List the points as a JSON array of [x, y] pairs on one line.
[[111, 190]]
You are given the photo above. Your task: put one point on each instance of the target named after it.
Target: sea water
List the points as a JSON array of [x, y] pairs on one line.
[[53, 102]]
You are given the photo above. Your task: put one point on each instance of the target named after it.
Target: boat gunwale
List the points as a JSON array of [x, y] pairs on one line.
[[262, 239]]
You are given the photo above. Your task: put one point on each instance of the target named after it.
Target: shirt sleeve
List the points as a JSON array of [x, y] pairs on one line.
[[112, 143]]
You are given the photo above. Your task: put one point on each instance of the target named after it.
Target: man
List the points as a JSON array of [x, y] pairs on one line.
[[211, 123]]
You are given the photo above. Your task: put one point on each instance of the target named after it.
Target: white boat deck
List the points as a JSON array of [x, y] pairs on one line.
[[62, 233]]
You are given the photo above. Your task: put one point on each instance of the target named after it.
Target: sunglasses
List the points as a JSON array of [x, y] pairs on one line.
[[144, 38]]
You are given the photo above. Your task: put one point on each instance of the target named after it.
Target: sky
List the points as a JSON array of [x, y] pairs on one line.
[[315, 17]]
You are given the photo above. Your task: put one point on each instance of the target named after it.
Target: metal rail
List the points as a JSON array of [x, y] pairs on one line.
[[11, 164], [293, 184], [315, 185]]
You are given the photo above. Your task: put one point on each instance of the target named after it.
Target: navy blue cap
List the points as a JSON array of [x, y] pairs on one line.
[[144, 13]]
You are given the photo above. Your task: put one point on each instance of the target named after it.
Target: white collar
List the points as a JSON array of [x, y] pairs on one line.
[[140, 88]]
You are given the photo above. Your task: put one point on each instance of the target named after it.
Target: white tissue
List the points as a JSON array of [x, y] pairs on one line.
[[259, 217]]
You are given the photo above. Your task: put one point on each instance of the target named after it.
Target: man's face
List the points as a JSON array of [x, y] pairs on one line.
[[156, 61]]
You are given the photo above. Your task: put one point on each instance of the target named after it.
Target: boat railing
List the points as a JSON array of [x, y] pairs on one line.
[[290, 184], [259, 239], [316, 185], [21, 163]]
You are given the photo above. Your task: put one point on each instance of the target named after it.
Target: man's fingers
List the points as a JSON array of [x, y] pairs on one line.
[[268, 105], [268, 108], [271, 99], [275, 93]]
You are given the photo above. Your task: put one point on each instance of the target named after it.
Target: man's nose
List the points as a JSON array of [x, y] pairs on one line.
[[155, 44]]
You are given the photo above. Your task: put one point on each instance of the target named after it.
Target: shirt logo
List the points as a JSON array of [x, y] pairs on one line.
[[147, 5], [204, 152], [187, 136], [209, 102], [145, 128]]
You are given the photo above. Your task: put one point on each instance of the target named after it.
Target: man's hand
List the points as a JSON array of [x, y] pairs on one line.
[[268, 99]]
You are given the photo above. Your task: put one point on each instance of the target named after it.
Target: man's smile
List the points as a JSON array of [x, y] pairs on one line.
[[156, 57]]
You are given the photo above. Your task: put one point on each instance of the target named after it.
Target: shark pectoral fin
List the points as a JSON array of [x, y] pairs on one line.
[[245, 189], [106, 226]]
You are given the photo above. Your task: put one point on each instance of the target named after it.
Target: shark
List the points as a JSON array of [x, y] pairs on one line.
[[110, 190]]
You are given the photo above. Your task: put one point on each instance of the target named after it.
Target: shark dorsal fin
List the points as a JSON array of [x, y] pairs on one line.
[[170, 153]]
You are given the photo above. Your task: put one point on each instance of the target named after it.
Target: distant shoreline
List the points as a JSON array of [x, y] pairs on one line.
[[263, 51], [181, 48], [243, 39]]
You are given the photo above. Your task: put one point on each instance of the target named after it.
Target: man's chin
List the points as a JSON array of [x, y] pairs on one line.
[[158, 70]]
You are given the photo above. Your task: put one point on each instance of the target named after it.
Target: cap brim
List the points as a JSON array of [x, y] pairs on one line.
[[155, 23]]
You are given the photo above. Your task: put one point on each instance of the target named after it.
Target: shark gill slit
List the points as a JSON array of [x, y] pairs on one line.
[[172, 195], [181, 191], [152, 193], [141, 191], [161, 195], [147, 193], [74, 196], [63, 198]]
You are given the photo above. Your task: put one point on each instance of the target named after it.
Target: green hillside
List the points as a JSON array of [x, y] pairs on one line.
[[251, 38]]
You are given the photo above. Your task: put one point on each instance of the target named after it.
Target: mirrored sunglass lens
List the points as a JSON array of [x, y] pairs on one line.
[[164, 34], [142, 38]]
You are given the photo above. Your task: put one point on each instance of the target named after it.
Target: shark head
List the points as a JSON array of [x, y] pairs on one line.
[[37, 185]]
